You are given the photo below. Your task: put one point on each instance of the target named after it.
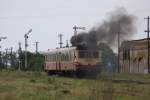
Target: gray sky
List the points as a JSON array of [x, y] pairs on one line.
[[48, 18]]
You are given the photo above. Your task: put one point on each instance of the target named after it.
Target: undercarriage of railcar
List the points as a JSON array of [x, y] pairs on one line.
[[80, 72]]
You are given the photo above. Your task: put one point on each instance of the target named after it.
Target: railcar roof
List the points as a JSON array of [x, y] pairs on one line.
[[60, 50]]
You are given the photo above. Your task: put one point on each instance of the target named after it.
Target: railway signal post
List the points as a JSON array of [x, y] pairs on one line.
[[19, 56], [26, 45], [75, 31], [11, 56], [6, 58]]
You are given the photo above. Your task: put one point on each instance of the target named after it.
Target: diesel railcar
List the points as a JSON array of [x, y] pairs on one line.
[[72, 61]]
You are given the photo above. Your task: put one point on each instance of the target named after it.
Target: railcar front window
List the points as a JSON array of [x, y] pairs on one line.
[[88, 54], [82, 54]]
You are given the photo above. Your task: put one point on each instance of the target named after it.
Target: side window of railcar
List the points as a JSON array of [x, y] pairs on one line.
[[59, 56], [62, 57], [45, 57], [67, 56], [52, 57], [72, 55], [49, 57], [56, 57], [69, 53]]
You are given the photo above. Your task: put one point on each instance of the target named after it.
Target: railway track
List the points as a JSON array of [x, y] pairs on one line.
[[129, 81]]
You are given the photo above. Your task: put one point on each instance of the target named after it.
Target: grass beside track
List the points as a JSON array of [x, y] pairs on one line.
[[38, 86]]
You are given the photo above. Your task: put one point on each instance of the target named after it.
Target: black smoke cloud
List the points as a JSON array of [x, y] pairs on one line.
[[107, 32]]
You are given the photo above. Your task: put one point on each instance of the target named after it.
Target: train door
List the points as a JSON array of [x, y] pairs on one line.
[[59, 61]]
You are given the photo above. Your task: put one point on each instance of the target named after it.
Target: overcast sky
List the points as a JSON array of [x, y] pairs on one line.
[[48, 18]]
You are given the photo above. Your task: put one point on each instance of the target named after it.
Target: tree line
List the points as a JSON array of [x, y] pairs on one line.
[[16, 61]]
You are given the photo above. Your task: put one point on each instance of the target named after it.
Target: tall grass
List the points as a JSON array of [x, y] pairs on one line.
[[15, 85]]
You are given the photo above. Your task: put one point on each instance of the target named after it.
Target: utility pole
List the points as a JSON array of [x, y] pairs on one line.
[[36, 46], [6, 56], [19, 53], [148, 62], [11, 55], [75, 32], [36, 43], [1, 51], [0, 60], [26, 45], [119, 48], [60, 36]]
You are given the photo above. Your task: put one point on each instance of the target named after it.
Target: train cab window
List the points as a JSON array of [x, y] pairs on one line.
[[83, 54], [88, 54]]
